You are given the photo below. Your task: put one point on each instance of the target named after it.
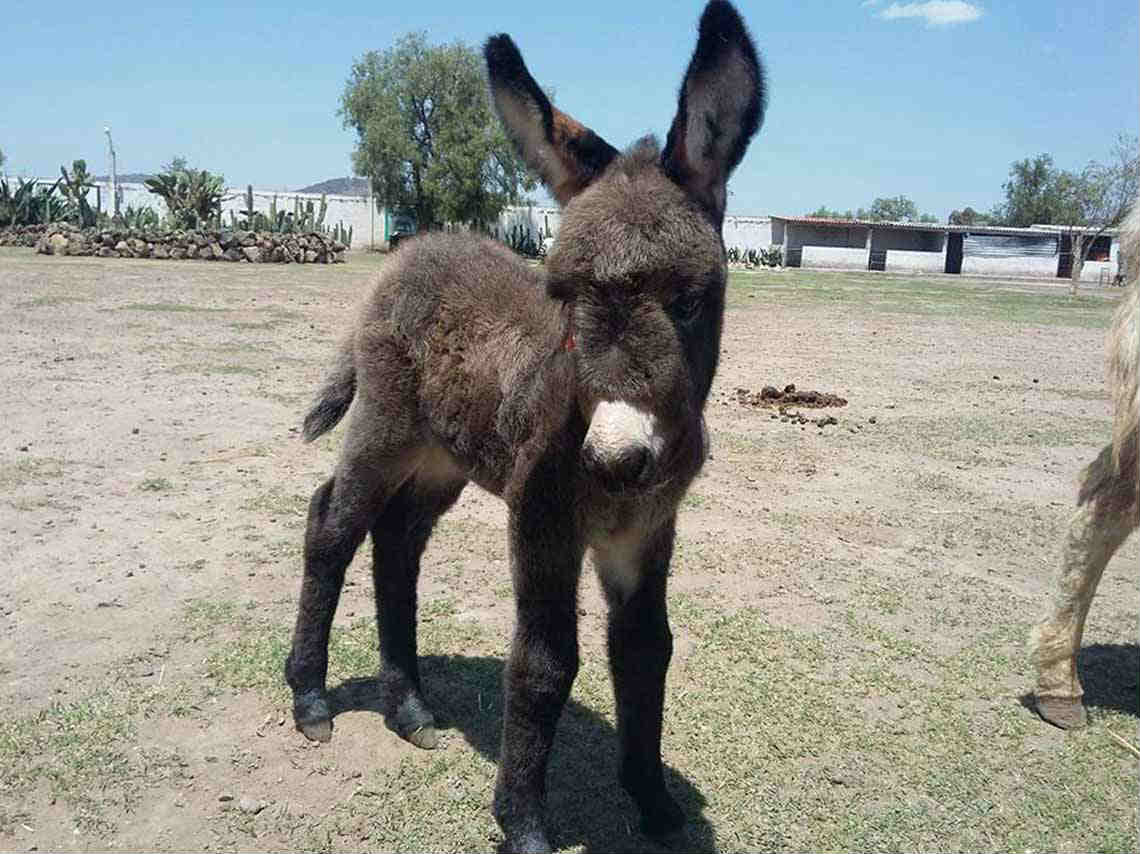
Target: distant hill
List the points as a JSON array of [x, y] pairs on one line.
[[339, 187], [128, 178]]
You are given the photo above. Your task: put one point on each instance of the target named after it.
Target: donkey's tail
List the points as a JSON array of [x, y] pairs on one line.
[[335, 397]]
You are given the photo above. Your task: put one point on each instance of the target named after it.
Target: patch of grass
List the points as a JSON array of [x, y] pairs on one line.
[[168, 306], [85, 754], [275, 502], [48, 301], [1024, 303], [156, 484], [29, 469]]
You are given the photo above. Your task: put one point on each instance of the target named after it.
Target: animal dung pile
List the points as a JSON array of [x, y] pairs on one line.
[[771, 397], [204, 245]]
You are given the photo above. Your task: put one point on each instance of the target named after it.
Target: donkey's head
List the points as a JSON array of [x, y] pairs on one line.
[[639, 257]]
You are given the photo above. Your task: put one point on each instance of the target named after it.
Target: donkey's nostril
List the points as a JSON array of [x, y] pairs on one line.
[[617, 472], [632, 464]]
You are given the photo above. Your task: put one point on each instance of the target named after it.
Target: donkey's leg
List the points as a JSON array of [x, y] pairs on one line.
[[1104, 520], [640, 646], [546, 561], [340, 513], [398, 540]]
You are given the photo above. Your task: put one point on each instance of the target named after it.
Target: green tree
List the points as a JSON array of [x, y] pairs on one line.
[[1034, 193], [1098, 198], [427, 136], [824, 212], [969, 216], [2, 158], [894, 209]]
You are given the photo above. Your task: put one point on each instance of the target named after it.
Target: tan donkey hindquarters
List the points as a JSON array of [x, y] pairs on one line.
[[1108, 511]]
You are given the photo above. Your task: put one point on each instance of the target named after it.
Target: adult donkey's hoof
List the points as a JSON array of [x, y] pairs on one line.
[[1064, 712], [312, 715]]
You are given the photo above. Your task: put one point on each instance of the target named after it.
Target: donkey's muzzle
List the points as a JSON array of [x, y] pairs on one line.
[[621, 446], [629, 469]]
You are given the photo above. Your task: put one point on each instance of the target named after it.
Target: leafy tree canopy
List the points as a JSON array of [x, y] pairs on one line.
[[969, 216], [1097, 196], [895, 209], [427, 136]]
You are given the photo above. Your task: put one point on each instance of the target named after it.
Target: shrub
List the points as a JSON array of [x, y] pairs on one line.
[[193, 196], [31, 204]]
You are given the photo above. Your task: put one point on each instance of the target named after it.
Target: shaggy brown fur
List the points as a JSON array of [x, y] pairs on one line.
[[1108, 511], [576, 396]]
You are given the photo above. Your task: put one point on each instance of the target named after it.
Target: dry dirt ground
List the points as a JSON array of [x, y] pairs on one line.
[[850, 601]]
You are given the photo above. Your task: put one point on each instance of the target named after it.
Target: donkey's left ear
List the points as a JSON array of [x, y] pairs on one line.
[[719, 110], [566, 154]]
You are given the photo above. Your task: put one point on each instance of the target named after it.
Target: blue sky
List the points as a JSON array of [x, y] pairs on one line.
[[867, 98]]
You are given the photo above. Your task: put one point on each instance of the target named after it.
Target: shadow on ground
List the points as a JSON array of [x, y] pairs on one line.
[[585, 804], [1110, 675]]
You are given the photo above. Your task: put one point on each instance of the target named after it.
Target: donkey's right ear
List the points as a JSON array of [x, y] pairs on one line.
[[566, 154], [719, 110]]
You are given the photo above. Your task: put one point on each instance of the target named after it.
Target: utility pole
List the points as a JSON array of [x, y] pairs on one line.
[[114, 176]]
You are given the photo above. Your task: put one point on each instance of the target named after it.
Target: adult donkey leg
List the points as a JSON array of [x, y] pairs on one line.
[[546, 558], [399, 537], [1102, 523], [640, 646]]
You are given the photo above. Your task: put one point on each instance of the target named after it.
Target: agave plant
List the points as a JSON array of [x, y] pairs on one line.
[[193, 196], [30, 204], [142, 218]]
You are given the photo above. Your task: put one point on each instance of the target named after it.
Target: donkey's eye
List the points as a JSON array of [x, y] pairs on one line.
[[686, 307]]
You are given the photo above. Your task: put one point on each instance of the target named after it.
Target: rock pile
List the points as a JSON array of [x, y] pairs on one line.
[[206, 245], [21, 235]]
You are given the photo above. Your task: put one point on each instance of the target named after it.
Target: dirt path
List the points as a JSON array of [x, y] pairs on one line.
[[884, 562]]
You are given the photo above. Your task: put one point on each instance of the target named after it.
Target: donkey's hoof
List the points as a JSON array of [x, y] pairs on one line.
[[425, 737], [413, 721], [312, 715], [665, 823], [318, 731], [534, 842], [1064, 712]]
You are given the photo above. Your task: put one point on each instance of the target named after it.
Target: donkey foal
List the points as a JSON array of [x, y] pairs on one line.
[[576, 396], [1108, 511]]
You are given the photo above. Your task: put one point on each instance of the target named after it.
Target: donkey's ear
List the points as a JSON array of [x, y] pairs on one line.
[[720, 108], [565, 154]]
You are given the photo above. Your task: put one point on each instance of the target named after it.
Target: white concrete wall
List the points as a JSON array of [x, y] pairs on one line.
[[1100, 271], [834, 257], [843, 236], [540, 222], [747, 232], [901, 260], [367, 225]]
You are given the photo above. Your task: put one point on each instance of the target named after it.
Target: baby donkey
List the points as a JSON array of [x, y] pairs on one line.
[[575, 395]]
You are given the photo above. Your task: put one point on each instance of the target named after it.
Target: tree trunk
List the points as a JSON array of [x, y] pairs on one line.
[[1077, 247]]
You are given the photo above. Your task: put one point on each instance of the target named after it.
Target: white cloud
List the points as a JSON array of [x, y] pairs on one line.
[[936, 13]]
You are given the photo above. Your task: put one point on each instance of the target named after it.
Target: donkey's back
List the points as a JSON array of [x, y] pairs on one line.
[[447, 347]]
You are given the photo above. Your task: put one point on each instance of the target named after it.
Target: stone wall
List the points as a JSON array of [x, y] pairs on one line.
[[206, 245]]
